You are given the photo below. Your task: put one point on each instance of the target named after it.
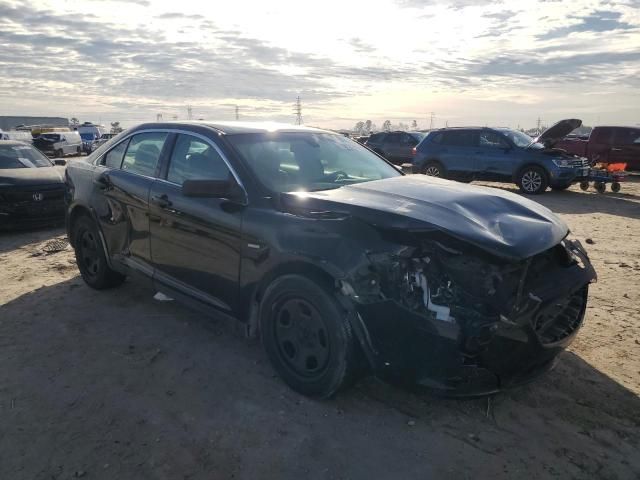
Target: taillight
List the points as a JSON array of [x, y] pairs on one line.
[[413, 151]]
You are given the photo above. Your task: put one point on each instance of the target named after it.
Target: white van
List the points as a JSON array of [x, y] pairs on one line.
[[59, 144], [17, 135]]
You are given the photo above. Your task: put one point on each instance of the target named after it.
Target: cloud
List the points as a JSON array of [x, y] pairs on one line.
[[598, 22]]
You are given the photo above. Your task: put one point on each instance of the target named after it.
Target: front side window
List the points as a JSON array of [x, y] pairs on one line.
[[22, 156], [195, 159], [492, 140], [143, 153], [520, 139], [286, 162], [626, 136]]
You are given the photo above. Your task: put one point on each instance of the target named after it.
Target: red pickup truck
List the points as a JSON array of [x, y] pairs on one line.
[[607, 145]]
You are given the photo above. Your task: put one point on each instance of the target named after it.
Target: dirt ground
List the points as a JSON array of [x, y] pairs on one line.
[[116, 385]]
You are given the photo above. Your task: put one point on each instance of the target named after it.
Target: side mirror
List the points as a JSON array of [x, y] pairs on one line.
[[60, 162], [228, 189]]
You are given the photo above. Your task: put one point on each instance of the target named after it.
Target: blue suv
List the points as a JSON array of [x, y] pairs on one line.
[[502, 154]]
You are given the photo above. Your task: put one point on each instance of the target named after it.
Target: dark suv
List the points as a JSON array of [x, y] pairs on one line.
[[397, 147], [503, 155], [338, 261]]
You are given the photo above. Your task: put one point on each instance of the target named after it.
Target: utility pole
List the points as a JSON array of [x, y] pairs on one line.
[[297, 109], [158, 117], [189, 112], [538, 127], [237, 112], [431, 121]]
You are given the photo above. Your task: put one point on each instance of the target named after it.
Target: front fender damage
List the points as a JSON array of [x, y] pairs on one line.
[[440, 313]]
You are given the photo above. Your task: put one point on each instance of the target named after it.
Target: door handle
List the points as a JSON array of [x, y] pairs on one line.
[[161, 201], [616, 149]]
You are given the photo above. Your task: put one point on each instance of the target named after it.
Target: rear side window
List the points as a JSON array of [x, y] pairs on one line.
[[436, 137], [459, 138], [143, 153], [193, 158], [626, 136], [113, 159]]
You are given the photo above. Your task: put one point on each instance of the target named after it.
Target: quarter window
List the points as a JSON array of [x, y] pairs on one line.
[[113, 158], [193, 159], [143, 153]]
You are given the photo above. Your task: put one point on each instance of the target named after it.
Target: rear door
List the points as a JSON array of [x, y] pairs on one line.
[[458, 152], [494, 156], [195, 242], [122, 182]]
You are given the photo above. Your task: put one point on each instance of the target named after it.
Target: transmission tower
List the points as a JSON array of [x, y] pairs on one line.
[[237, 112], [297, 109], [159, 117], [189, 112]]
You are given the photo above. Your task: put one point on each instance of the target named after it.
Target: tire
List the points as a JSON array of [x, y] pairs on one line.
[[79, 151], [434, 169], [584, 186], [615, 187], [532, 180], [600, 187], [560, 188], [59, 153], [90, 256], [308, 337]]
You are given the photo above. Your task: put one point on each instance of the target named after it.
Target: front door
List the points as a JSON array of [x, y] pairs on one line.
[[494, 157], [122, 183], [195, 242], [625, 147]]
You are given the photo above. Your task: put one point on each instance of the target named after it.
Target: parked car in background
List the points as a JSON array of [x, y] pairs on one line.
[[104, 138], [362, 139], [503, 155], [59, 144], [396, 147], [31, 187], [607, 145], [338, 261], [17, 135], [90, 133]]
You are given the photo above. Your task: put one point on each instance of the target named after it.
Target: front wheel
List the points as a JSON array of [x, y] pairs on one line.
[[307, 336], [533, 180], [90, 256]]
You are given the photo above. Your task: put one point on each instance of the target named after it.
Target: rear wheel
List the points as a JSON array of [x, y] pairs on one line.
[[615, 187], [90, 256], [584, 186], [307, 336], [532, 180], [433, 169]]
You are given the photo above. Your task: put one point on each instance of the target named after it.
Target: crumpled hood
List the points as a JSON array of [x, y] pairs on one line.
[[558, 131], [31, 176], [502, 223]]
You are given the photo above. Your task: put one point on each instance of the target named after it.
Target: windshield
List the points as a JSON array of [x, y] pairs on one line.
[[21, 156], [303, 161], [54, 137], [520, 139], [88, 136]]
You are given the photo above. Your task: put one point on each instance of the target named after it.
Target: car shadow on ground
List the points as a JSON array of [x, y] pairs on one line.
[[113, 384], [14, 239]]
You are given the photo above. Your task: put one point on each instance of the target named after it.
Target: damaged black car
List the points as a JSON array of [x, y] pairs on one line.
[[339, 262]]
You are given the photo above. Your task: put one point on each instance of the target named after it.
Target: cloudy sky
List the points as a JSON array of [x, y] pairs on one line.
[[469, 62]]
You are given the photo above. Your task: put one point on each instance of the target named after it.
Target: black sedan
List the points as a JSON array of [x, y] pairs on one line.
[[342, 264], [31, 187]]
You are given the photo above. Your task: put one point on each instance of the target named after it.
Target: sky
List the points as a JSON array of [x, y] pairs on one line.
[[458, 62]]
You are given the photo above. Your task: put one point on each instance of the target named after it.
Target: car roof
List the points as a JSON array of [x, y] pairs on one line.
[[232, 128]]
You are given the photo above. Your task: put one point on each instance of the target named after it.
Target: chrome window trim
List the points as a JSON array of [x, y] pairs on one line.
[[178, 131]]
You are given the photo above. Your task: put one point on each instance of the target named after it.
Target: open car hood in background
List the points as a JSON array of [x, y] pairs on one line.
[[557, 132], [502, 223]]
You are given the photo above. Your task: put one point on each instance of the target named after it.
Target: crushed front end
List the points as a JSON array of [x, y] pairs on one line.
[[448, 316]]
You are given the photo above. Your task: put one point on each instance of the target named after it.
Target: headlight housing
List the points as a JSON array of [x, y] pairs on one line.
[[562, 162]]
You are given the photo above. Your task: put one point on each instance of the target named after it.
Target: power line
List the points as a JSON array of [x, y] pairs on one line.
[[298, 111]]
